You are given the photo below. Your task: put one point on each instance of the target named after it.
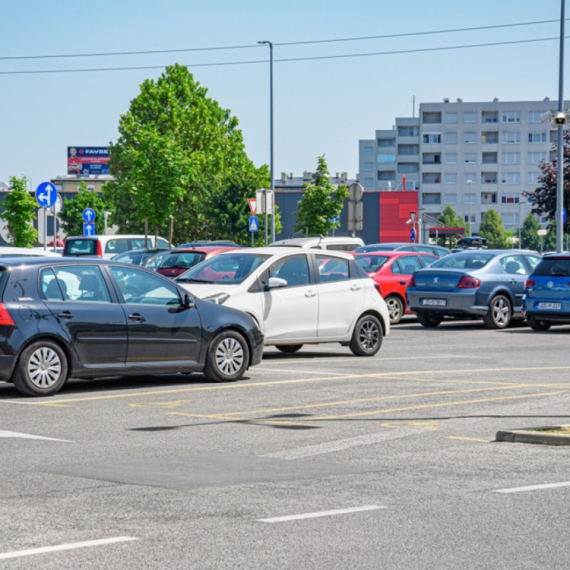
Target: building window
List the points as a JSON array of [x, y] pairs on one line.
[[469, 138], [470, 117], [534, 116], [450, 158], [431, 178], [432, 138], [473, 219], [451, 117], [369, 182], [469, 177], [510, 219], [489, 158], [450, 199], [431, 117], [510, 198], [532, 177], [536, 157], [368, 151], [368, 166], [535, 138], [488, 198], [431, 198], [490, 137], [511, 178], [408, 131], [469, 198], [408, 149], [386, 143], [450, 138], [511, 137], [553, 136], [408, 167], [431, 158], [451, 178], [470, 157], [387, 175], [488, 178], [511, 157], [511, 117], [490, 116], [386, 158]]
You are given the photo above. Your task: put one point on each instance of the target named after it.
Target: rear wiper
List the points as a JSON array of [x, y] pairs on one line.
[[193, 280], [559, 274]]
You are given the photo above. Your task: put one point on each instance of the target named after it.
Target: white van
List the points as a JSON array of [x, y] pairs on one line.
[[107, 246], [332, 243]]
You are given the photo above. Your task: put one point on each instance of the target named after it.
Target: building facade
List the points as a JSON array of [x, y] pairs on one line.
[[470, 156]]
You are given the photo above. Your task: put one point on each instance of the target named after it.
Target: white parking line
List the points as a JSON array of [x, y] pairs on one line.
[[355, 359], [289, 370], [533, 488], [69, 546], [29, 436], [321, 514]]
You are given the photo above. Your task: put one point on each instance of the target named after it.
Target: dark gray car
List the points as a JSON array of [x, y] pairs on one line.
[[487, 284]]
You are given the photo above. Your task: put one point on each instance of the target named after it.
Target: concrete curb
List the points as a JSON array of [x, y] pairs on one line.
[[541, 435]]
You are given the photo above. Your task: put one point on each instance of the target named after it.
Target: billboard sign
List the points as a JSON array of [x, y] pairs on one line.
[[87, 160]]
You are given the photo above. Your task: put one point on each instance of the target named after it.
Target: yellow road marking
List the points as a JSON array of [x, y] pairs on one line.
[[470, 439], [170, 404]]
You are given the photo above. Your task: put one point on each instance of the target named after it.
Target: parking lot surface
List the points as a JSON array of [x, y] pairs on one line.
[[319, 459]]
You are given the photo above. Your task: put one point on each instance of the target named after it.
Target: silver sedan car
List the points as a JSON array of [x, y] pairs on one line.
[[474, 284]]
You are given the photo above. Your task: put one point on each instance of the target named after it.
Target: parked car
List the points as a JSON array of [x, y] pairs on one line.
[[330, 243], [143, 257], [90, 318], [391, 271], [296, 296], [487, 284], [180, 260], [404, 246], [220, 243], [11, 251], [107, 246], [547, 292]]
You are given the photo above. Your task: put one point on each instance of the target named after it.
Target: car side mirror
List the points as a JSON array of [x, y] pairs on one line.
[[188, 302], [275, 283]]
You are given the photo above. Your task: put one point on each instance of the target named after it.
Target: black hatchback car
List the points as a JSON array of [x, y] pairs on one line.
[[64, 317]]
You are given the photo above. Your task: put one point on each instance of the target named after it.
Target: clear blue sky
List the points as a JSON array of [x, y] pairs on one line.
[[321, 106]]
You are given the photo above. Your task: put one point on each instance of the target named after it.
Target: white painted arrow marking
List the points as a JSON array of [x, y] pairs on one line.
[[29, 436]]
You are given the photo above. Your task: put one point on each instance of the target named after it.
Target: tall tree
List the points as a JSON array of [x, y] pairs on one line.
[[19, 211], [451, 219], [529, 233], [492, 229], [71, 217], [321, 203], [171, 140], [543, 198]]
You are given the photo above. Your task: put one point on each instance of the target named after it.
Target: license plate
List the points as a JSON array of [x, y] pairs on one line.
[[550, 306], [434, 302]]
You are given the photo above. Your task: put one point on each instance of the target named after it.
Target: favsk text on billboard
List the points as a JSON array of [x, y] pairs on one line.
[[87, 160]]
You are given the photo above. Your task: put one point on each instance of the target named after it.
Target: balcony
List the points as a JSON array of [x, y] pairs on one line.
[[490, 117], [490, 137], [489, 158], [431, 118]]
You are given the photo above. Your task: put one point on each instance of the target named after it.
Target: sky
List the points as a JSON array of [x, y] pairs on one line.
[[321, 106]]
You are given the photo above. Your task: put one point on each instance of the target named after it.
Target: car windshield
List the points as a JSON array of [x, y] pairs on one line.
[[231, 269], [184, 260], [463, 261], [552, 268], [371, 263]]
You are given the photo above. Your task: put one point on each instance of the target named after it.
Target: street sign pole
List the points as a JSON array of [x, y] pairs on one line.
[[54, 229], [45, 228]]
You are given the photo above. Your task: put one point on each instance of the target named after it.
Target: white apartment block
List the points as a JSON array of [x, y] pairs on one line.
[[471, 156]]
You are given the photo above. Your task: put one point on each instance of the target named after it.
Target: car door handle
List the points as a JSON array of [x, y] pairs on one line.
[[402, 283], [65, 315], [354, 287], [513, 281], [310, 294], [136, 317]]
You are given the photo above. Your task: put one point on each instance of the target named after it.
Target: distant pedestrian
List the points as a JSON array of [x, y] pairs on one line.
[[58, 242]]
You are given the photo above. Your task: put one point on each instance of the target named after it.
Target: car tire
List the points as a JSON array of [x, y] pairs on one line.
[[367, 336], [500, 313], [289, 348], [537, 324], [395, 308], [41, 369], [227, 358], [429, 320]]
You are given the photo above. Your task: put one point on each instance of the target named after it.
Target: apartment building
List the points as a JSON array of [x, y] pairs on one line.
[[471, 156]]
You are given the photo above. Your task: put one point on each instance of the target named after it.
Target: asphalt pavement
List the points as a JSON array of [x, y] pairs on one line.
[[319, 459]]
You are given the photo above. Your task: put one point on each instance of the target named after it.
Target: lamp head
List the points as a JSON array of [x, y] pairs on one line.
[[559, 120]]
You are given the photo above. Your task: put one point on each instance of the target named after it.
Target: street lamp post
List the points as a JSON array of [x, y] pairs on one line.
[[560, 174], [270, 44], [470, 182]]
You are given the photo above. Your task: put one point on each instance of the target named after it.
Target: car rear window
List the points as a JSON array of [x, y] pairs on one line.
[[182, 260], [552, 268], [463, 261], [80, 247], [371, 263]]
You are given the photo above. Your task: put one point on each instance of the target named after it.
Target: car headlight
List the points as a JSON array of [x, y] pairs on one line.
[[219, 298]]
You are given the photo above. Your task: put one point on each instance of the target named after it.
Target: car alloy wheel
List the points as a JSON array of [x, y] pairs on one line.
[[367, 336], [228, 357], [44, 367], [500, 312], [395, 309]]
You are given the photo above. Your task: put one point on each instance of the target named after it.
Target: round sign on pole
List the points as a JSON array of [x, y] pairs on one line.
[[46, 194], [89, 215]]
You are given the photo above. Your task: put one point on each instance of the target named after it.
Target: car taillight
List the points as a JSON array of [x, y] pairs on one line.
[[99, 250], [530, 283], [5, 317], [412, 282], [467, 282]]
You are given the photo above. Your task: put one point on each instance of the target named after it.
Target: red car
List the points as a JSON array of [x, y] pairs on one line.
[[180, 260], [392, 270]]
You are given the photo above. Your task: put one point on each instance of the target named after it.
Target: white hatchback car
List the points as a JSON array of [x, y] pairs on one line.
[[296, 296]]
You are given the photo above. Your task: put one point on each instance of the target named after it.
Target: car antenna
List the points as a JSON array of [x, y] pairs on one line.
[[321, 236], [296, 234]]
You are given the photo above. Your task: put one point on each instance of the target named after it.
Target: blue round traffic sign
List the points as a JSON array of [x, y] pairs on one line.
[[89, 215], [413, 235], [46, 194]]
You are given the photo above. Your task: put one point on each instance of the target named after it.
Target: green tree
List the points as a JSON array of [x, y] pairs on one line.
[[492, 229], [71, 217], [451, 219], [172, 139], [529, 233], [320, 204], [19, 211]]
